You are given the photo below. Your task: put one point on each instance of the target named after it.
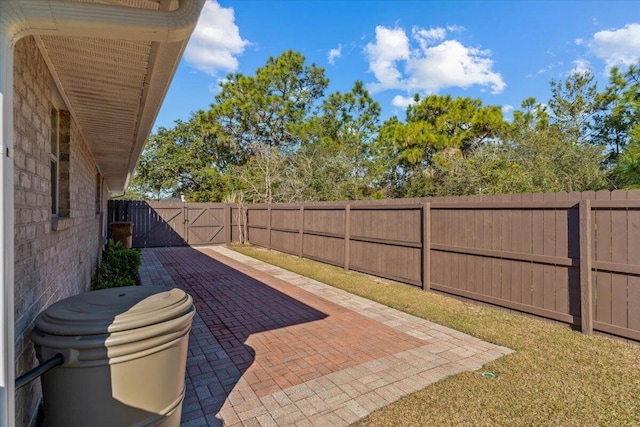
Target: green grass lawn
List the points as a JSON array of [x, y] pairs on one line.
[[557, 377]]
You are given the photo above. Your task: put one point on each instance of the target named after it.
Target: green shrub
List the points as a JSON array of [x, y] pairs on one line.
[[119, 266]]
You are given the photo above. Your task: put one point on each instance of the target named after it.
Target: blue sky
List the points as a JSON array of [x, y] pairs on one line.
[[500, 52]]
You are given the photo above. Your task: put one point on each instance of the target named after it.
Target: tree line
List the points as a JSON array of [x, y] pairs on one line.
[[276, 137]]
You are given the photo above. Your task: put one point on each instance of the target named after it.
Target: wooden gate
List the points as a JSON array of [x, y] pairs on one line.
[[166, 224], [205, 223]]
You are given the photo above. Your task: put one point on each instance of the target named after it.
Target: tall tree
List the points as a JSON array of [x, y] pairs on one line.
[[175, 163], [537, 160], [437, 128], [532, 116], [621, 110], [259, 119], [626, 172], [574, 104], [266, 109], [337, 152], [352, 121]]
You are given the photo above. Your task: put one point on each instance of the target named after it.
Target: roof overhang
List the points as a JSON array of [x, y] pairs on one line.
[[112, 62]]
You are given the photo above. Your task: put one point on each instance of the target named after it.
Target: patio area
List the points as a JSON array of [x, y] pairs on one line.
[[270, 347]]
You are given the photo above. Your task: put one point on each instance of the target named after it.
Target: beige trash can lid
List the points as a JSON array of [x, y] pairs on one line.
[[114, 310]]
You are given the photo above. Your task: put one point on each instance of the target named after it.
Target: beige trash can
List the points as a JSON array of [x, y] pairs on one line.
[[122, 231], [125, 353]]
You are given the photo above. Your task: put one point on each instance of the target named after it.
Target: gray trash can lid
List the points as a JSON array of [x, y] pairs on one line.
[[113, 310]]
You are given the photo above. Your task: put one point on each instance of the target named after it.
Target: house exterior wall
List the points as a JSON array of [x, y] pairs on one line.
[[49, 264]]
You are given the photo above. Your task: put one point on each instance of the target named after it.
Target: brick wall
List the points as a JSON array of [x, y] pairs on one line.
[[49, 265]]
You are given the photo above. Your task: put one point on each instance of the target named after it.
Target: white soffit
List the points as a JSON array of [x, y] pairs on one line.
[[113, 89]]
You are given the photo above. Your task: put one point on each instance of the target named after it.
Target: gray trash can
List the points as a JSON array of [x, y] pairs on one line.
[[125, 352]]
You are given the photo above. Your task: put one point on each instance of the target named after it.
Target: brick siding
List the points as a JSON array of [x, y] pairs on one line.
[[49, 265]]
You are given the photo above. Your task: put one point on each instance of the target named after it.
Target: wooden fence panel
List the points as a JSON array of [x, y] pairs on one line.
[[527, 248], [468, 276], [392, 262], [454, 261], [257, 217], [236, 223], [324, 220], [501, 241], [549, 248], [285, 219], [285, 227], [506, 218], [479, 233], [537, 247], [157, 224], [633, 316], [573, 243], [562, 250], [401, 225], [258, 236], [633, 309], [437, 237], [602, 284], [619, 245], [323, 248], [285, 241], [517, 245]]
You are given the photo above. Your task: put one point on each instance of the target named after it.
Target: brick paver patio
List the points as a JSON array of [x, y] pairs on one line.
[[269, 347]]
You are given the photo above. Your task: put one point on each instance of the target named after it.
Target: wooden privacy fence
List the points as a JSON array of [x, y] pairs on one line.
[[570, 257], [165, 224]]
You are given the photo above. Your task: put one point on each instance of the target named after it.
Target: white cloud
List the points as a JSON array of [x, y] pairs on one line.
[[215, 42], [581, 66], [579, 41], [547, 69], [428, 37], [619, 47], [435, 64], [507, 108], [402, 101], [334, 53], [455, 28], [453, 64], [391, 45]]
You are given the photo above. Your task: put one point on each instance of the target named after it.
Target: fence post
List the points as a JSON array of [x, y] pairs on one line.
[[301, 232], [228, 222], [269, 226], [586, 285], [347, 236], [426, 246], [243, 218]]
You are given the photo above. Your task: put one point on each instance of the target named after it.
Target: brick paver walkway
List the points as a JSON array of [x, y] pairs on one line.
[[269, 347]]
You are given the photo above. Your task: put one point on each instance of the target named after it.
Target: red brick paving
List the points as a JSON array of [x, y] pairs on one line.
[[272, 348], [276, 333]]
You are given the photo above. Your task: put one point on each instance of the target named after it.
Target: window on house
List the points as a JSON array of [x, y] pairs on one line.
[[55, 153], [59, 160], [60, 156], [98, 193]]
